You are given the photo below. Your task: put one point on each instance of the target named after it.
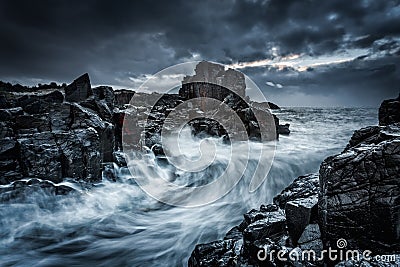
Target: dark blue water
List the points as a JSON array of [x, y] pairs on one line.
[[117, 224]]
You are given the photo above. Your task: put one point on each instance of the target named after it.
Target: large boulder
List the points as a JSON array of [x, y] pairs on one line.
[[360, 187], [389, 111], [123, 97], [359, 197], [79, 90]]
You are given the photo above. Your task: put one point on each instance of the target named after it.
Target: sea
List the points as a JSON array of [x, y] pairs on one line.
[[119, 224]]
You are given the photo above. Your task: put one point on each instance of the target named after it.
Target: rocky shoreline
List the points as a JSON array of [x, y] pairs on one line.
[[354, 199], [71, 135], [60, 138]]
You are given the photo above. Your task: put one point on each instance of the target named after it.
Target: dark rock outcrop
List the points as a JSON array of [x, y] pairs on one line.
[[389, 111], [284, 129], [264, 105], [79, 90], [44, 137], [123, 97], [213, 74], [264, 232], [360, 191]]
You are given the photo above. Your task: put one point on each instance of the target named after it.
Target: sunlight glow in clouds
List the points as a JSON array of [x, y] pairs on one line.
[[301, 62]]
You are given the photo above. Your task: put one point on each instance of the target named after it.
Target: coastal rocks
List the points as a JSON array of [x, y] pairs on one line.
[[269, 226], [389, 111], [39, 156], [300, 213], [303, 187], [210, 74], [43, 136], [264, 105], [284, 129], [79, 90], [359, 188], [218, 253], [355, 197], [123, 97], [264, 232]]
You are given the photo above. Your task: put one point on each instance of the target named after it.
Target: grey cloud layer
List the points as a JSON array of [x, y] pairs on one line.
[[58, 40]]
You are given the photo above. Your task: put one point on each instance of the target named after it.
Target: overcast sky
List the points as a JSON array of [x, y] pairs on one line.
[[300, 53]]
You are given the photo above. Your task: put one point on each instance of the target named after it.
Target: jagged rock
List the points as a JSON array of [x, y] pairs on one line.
[[284, 129], [300, 213], [264, 105], [80, 154], [102, 102], [84, 118], [40, 156], [272, 226], [361, 186], [219, 253], [123, 97], [37, 123], [35, 103], [265, 230], [310, 239], [5, 115], [4, 103], [8, 149], [79, 90], [389, 111], [9, 113], [213, 74], [60, 117], [42, 136], [302, 187], [373, 135], [105, 94]]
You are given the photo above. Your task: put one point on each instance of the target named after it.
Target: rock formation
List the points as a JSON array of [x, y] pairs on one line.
[[355, 196], [48, 137], [289, 225], [210, 73], [389, 111], [360, 188]]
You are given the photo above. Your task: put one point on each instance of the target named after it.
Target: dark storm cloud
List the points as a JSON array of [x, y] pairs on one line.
[[355, 83], [58, 40]]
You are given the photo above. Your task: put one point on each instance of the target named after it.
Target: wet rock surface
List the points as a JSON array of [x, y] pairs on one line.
[[45, 136], [360, 193], [389, 111], [54, 132], [267, 230], [355, 197]]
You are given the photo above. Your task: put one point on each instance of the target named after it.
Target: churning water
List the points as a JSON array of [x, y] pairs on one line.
[[117, 224]]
